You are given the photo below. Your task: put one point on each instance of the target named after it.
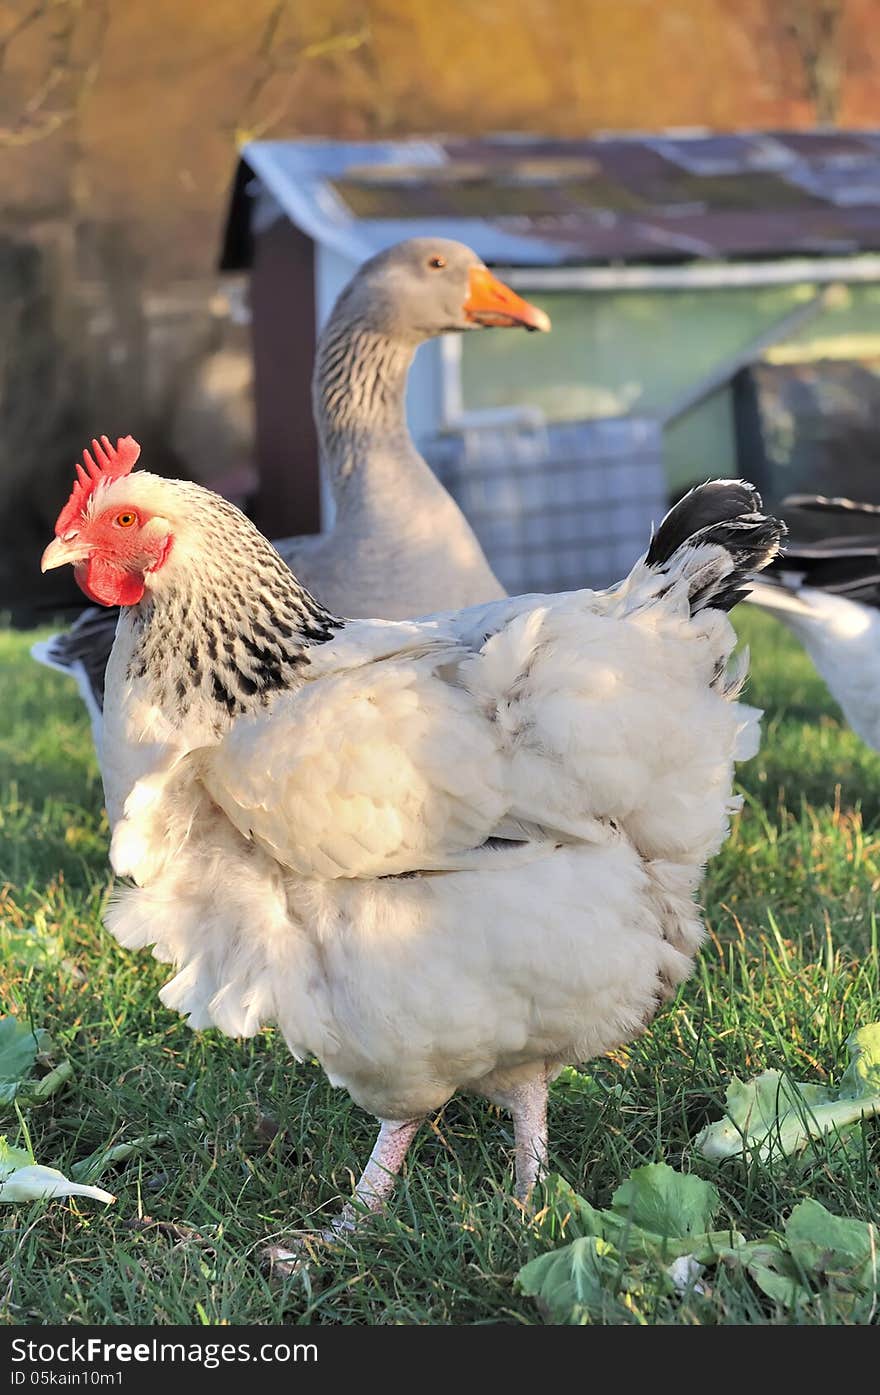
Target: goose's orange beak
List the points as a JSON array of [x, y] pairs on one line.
[[491, 303]]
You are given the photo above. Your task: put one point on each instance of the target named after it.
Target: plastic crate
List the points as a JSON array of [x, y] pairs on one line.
[[560, 506]]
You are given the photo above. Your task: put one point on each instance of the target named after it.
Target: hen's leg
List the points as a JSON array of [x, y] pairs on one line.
[[372, 1191], [527, 1103], [380, 1174]]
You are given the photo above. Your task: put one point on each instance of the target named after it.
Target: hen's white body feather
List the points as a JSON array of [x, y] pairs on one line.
[[335, 863]]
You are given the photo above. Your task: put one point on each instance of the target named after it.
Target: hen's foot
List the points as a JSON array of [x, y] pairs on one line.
[[372, 1191], [303, 1248]]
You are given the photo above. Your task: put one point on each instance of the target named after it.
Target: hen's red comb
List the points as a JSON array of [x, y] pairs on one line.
[[107, 463]]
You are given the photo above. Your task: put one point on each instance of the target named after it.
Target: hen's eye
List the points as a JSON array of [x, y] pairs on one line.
[[125, 520], [436, 263]]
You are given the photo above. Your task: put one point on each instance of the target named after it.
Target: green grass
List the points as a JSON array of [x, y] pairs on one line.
[[791, 967]]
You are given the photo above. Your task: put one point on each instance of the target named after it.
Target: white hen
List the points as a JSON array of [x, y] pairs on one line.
[[445, 854]]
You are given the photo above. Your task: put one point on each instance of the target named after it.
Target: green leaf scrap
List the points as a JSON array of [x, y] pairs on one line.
[[621, 1256], [21, 1048], [657, 1216], [575, 1283], [773, 1117], [657, 1213], [664, 1202], [97, 1163], [22, 1179], [838, 1249]]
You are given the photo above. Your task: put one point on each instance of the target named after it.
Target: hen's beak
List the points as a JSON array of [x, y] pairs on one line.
[[59, 552], [490, 302]]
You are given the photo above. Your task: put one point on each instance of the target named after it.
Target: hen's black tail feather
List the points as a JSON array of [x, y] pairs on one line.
[[722, 514]]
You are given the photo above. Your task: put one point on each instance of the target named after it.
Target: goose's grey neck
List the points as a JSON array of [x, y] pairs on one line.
[[359, 396]]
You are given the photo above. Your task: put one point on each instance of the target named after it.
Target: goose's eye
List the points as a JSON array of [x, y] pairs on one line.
[[436, 263], [125, 520]]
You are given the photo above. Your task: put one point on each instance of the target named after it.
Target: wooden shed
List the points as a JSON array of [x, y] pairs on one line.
[[671, 266]]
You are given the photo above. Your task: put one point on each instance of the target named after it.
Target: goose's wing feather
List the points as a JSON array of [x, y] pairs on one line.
[[847, 567], [82, 653], [820, 503]]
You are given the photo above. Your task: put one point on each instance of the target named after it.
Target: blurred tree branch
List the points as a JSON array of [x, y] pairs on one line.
[[277, 57], [67, 74], [816, 27], [18, 26], [813, 46]]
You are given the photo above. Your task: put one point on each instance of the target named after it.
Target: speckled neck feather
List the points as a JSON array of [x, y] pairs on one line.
[[231, 634]]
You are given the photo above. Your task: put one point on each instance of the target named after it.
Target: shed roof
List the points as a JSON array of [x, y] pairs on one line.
[[532, 201]]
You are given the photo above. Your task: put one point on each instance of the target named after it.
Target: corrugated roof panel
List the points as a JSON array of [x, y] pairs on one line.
[[823, 146], [534, 200], [820, 231], [596, 240], [712, 155], [499, 150], [467, 191], [851, 181]]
